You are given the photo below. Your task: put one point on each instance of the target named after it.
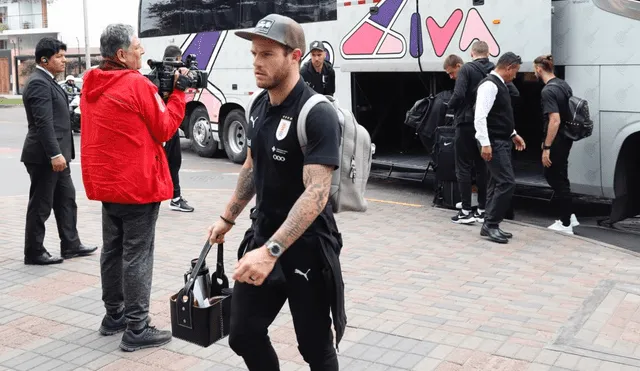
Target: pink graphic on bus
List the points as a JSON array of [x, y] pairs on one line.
[[441, 36], [373, 35]]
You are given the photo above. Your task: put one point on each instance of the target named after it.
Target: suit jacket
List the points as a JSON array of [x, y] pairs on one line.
[[47, 110]]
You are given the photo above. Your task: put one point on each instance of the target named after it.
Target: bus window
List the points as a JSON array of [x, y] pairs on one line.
[[159, 17], [171, 17]]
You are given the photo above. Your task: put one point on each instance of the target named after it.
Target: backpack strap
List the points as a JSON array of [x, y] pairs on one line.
[[565, 91], [302, 117]]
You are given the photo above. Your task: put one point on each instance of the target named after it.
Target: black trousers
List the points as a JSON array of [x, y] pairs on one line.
[[126, 262], [174, 157], [558, 178], [502, 182], [467, 159], [50, 190], [255, 307]]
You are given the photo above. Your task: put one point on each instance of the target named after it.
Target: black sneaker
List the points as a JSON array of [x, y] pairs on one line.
[[479, 216], [180, 205], [148, 338], [462, 218], [111, 326]]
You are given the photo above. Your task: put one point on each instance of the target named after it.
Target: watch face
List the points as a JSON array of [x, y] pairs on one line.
[[275, 250]]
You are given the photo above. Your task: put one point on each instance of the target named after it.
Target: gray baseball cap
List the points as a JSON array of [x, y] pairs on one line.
[[316, 45], [278, 28]]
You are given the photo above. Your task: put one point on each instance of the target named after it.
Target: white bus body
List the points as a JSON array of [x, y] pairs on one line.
[[388, 53]]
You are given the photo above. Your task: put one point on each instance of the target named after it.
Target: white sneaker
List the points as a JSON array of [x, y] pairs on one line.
[[459, 206], [557, 226], [574, 221]]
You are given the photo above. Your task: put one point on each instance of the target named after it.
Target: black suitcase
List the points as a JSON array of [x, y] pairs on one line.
[[444, 156], [447, 194]]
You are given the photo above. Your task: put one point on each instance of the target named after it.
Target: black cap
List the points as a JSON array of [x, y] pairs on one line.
[[278, 28], [316, 45], [509, 59]]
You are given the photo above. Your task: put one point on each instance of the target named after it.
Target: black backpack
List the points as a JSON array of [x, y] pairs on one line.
[[427, 114], [580, 125], [417, 114]]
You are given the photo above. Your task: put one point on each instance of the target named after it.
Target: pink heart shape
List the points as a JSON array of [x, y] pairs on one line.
[[441, 36]]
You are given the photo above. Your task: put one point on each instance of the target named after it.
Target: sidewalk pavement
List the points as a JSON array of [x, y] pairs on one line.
[[422, 294]]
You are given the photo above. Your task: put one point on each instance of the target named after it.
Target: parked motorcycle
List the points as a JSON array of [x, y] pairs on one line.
[[74, 112]]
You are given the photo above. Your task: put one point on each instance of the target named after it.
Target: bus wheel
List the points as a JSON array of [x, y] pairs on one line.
[[202, 141], [234, 136]]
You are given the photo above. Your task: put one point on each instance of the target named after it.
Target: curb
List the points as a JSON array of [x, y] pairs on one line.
[[585, 239]]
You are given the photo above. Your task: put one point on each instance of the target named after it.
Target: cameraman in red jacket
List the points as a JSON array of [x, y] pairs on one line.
[[125, 123]]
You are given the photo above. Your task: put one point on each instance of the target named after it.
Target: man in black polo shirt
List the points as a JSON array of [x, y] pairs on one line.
[[556, 147], [495, 131], [318, 72], [291, 251]]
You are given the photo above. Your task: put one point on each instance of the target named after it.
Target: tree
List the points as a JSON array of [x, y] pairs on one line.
[[26, 1]]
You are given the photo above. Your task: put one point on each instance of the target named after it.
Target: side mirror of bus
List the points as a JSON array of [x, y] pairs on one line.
[[374, 10]]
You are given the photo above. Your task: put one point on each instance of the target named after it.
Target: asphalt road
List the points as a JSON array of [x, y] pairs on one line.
[[208, 175]]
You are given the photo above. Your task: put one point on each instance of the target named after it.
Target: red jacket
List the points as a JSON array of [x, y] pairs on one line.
[[124, 123]]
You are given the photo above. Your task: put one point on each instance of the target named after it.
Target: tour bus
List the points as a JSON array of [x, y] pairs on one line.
[[388, 54]]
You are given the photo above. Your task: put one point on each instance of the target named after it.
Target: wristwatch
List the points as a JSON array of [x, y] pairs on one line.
[[275, 249], [545, 147]]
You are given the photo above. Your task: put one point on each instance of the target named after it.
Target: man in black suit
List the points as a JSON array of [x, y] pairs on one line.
[[47, 150]]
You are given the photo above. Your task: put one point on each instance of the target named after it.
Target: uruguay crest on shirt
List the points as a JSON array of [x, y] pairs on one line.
[[283, 127]]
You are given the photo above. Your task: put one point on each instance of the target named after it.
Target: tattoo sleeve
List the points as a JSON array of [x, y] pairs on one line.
[[552, 129], [244, 192], [317, 182]]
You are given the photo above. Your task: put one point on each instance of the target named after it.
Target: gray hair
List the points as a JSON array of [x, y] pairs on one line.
[[114, 37]]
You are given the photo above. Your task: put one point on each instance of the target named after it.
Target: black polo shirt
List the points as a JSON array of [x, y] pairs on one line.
[[555, 100], [278, 159]]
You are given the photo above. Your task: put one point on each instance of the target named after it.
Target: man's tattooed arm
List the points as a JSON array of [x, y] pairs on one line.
[[244, 192], [317, 181]]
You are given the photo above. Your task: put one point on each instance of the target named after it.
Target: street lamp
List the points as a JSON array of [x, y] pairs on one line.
[[87, 55]]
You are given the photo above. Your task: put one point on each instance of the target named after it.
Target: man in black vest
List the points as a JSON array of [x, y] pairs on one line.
[[495, 131]]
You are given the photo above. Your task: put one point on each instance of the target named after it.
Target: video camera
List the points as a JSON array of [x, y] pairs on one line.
[[162, 74]]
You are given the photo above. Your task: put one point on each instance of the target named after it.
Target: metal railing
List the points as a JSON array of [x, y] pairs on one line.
[[21, 22]]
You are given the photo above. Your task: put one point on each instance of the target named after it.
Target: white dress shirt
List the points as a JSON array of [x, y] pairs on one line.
[[485, 98], [51, 75], [43, 69]]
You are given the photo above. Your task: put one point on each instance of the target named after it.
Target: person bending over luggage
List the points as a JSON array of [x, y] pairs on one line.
[[556, 147], [467, 154], [495, 131]]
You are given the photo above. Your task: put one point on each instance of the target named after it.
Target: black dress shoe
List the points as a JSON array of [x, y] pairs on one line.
[[43, 259], [506, 234], [493, 234], [81, 250]]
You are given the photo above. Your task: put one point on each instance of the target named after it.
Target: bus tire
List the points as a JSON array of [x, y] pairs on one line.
[[200, 136], [234, 136], [627, 181]]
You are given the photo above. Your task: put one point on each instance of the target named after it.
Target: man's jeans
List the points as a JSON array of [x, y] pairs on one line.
[[126, 263]]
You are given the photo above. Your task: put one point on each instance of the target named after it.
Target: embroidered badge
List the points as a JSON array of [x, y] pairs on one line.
[[283, 127]]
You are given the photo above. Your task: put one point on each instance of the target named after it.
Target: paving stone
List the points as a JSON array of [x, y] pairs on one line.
[[446, 299], [391, 357]]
